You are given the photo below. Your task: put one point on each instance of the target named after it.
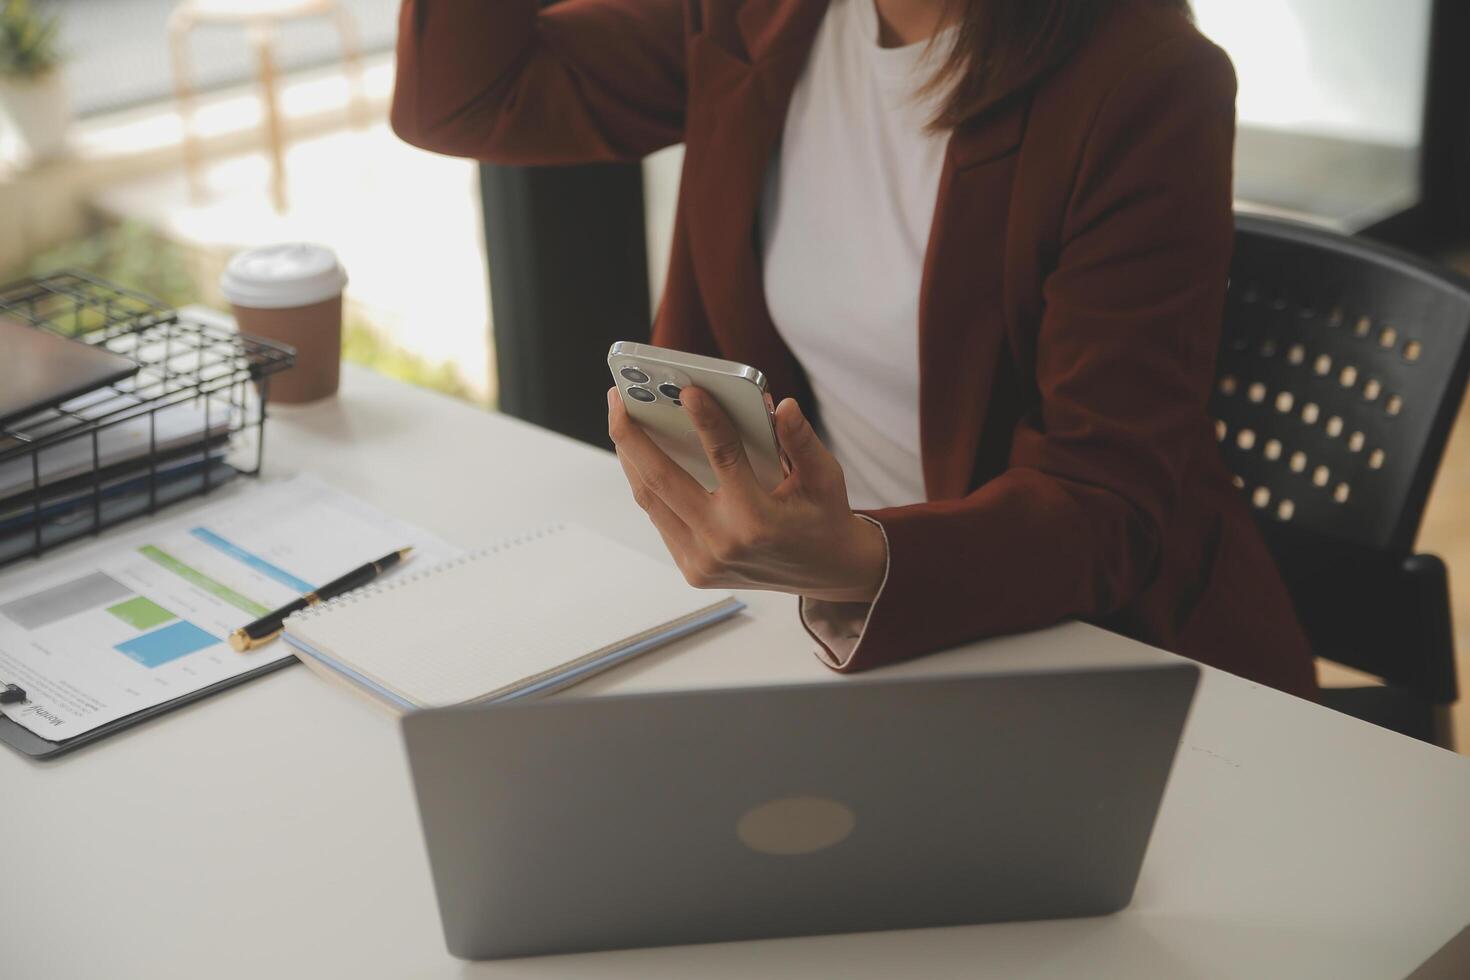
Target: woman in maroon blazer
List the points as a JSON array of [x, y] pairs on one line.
[[1066, 317]]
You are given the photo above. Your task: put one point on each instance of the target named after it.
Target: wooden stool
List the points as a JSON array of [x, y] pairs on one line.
[[259, 19]]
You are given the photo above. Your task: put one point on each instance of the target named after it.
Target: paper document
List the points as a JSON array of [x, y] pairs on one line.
[[169, 427], [136, 621]]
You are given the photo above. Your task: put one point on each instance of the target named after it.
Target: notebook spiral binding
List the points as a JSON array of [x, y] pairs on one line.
[[399, 581]]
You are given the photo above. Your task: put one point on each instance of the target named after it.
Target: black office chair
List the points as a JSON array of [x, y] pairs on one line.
[[1342, 366]]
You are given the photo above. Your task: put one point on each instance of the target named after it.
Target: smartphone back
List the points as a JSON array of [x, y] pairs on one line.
[[649, 380]]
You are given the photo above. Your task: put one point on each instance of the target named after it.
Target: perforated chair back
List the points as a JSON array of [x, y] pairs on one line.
[[1342, 367], [1341, 370]]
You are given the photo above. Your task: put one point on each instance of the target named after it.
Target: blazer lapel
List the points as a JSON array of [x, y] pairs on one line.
[[962, 302], [738, 104], [737, 110], [769, 25]]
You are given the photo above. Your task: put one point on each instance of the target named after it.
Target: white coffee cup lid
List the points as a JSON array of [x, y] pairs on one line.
[[277, 276]]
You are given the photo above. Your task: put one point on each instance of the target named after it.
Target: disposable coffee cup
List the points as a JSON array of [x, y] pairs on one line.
[[292, 293]]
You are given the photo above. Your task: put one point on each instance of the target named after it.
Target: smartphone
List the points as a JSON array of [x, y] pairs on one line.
[[650, 379]]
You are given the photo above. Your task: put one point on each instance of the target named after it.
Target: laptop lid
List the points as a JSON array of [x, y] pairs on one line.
[[705, 816]]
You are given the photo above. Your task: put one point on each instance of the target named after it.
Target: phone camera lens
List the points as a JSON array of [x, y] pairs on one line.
[[669, 390], [637, 377], [641, 394]]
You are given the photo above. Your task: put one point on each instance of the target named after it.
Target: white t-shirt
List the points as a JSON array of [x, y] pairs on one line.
[[844, 223]]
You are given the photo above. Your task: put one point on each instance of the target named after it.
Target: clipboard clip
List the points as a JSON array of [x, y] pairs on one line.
[[11, 693]]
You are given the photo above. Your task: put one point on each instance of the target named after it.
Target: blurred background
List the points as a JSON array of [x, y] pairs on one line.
[[1353, 114], [147, 140]]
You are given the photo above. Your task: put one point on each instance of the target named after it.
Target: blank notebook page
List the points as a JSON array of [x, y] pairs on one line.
[[501, 616]]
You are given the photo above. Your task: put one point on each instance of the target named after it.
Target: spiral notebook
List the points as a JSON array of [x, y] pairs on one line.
[[529, 615]]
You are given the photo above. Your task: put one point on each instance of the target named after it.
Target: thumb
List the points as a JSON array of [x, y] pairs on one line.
[[812, 462]]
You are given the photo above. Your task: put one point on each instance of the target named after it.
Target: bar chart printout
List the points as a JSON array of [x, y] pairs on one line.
[[137, 621]]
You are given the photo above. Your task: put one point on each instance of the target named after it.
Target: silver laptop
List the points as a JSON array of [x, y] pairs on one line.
[[704, 816]]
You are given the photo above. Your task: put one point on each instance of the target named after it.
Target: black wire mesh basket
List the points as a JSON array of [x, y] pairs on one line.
[[190, 420]]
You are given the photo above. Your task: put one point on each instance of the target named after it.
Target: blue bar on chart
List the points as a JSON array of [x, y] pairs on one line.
[[254, 561], [169, 643]]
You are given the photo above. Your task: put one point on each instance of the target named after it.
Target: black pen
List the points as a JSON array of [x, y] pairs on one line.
[[268, 627]]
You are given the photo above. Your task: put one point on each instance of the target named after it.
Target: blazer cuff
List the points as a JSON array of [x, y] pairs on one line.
[[838, 627]]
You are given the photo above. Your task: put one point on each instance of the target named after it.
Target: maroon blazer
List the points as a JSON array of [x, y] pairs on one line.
[[1068, 318]]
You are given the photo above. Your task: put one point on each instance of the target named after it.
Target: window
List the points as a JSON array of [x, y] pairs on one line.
[[1331, 102]]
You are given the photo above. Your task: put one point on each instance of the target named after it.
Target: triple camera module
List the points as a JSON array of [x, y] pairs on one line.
[[637, 392]]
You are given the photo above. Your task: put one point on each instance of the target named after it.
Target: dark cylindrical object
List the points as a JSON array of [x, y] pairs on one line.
[[568, 277]]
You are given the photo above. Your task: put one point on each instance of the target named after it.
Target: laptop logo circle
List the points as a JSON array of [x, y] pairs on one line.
[[795, 825]]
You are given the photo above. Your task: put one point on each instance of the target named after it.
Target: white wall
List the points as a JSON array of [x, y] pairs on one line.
[[1349, 68]]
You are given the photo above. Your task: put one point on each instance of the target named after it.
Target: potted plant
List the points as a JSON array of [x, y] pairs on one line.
[[34, 112]]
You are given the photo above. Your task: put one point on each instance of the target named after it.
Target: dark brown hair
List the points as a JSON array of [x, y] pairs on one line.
[[1001, 46]]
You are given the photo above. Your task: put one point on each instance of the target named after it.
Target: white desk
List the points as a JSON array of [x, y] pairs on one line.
[[271, 831]]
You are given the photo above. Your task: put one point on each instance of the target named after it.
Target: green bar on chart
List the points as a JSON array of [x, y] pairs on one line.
[[141, 613], [203, 582]]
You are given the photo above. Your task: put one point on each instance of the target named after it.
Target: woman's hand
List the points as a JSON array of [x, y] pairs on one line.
[[801, 538]]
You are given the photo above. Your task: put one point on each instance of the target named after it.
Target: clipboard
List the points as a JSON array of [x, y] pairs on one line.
[[28, 743], [67, 527], [246, 532]]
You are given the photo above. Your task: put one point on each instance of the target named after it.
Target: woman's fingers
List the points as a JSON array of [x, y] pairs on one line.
[[721, 441], [676, 534], [660, 476], [683, 546], [811, 461]]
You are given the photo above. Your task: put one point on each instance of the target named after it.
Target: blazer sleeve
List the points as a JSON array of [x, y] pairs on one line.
[[507, 82], [1124, 363]]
